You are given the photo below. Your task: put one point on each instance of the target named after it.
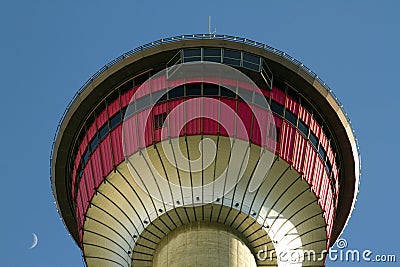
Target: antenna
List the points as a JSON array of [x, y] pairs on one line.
[[209, 26]]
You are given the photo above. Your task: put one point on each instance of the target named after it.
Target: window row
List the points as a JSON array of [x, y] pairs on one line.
[[221, 55]]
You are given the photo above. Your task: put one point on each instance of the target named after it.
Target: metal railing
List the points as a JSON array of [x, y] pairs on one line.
[[201, 37]]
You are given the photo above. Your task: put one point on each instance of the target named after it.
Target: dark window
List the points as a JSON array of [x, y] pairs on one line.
[[193, 89], [289, 116], [142, 103], [313, 139], [94, 143], [251, 66], [191, 55], [90, 121], [192, 52], [115, 120], [328, 166], [103, 131], [276, 108], [123, 111], [280, 85], [212, 54], [159, 96], [251, 59], [225, 92], [231, 54], [86, 156], [321, 152], [159, 120], [303, 128], [176, 92], [210, 89], [233, 62]]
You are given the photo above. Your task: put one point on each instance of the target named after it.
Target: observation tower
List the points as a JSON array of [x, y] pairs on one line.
[[205, 150]]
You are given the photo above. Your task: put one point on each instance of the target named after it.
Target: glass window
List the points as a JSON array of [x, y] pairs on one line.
[[303, 128], [142, 103], [115, 120], [193, 89], [289, 116], [159, 120], [103, 131], [212, 52], [225, 92], [233, 62], [232, 54], [251, 66], [251, 59], [210, 89], [321, 152], [94, 143], [192, 52], [176, 92], [86, 156], [328, 166], [313, 139], [276, 108]]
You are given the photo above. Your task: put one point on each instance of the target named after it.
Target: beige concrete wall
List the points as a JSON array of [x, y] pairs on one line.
[[203, 244]]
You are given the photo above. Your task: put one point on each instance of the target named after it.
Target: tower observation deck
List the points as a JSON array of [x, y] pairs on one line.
[[205, 150]]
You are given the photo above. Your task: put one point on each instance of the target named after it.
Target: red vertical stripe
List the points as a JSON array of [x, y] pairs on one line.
[[287, 142]]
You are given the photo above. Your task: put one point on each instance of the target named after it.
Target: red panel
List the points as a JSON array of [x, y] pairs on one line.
[[323, 140], [228, 107], [175, 118], [97, 168], [88, 176], [266, 93], [158, 84], [259, 131], [145, 129], [276, 145], [193, 115], [130, 140], [91, 132], [142, 90], [292, 105], [101, 119], [315, 127], [210, 120], [159, 109], [246, 86], [126, 98], [113, 108], [305, 116], [287, 142], [278, 96], [309, 162], [318, 175], [106, 156], [174, 83], [79, 211], [116, 144], [300, 149], [228, 83], [83, 192], [83, 146], [211, 80], [245, 115]]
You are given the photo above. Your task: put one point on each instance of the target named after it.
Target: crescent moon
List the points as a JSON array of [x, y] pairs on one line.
[[35, 241]]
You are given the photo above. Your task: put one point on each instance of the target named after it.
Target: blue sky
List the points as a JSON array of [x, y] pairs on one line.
[[50, 48]]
